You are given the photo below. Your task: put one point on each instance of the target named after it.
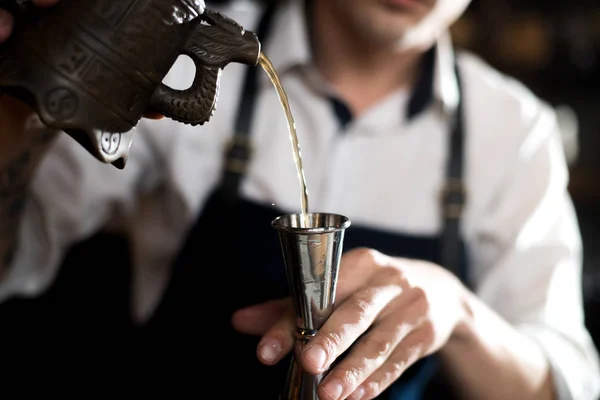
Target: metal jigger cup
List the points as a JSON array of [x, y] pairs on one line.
[[312, 249]]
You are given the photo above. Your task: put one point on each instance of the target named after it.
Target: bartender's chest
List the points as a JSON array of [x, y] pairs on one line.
[[378, 168]]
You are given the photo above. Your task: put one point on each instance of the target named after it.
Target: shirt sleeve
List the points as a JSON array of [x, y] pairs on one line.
[[530, 258], [72, 196]]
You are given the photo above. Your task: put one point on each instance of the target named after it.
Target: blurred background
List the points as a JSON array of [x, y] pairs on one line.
[[553, 46]]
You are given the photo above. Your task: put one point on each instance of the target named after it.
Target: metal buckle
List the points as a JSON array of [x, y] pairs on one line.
[[453, 197], [237, 153]]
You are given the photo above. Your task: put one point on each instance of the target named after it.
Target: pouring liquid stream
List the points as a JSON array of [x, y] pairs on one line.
[[268, 67]]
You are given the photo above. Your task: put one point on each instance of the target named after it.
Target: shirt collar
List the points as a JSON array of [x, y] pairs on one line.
[[446, 89], [437, 82], [288, 46]]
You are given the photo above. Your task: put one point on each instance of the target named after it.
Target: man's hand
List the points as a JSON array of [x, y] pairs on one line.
[[391, 311]]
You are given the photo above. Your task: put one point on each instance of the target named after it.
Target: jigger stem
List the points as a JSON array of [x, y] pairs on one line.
[[312, 248], [300, 385]]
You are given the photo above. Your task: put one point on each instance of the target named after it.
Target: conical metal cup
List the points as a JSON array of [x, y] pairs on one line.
[[312, 248]]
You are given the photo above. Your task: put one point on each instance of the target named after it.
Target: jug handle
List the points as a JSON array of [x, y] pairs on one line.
[[215, 42], [195, 105]]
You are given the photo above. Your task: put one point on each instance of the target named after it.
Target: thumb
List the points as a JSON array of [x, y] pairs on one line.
[[150, 114]]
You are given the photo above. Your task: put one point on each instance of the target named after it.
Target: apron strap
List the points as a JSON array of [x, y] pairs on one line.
[[239, 149], [430, 382], [453, 196]]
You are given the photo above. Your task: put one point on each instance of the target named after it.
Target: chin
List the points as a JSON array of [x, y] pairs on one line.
[[388, 30], [381, 24]]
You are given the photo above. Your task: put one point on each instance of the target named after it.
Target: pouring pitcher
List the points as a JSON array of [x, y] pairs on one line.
[[93, 68]]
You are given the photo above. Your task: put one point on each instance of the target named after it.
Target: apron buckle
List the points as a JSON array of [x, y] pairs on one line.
[[453, 197], [237, 153]]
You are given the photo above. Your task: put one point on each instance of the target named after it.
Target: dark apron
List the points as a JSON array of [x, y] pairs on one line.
[[232, 259]]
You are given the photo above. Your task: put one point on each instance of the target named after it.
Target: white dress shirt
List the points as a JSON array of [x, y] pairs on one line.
[[383, 171]]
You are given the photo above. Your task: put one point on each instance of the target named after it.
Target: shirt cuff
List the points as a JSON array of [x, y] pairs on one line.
[[30, 271], [573, 362]]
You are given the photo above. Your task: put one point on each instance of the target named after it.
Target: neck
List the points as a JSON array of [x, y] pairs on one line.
[[362, 73]]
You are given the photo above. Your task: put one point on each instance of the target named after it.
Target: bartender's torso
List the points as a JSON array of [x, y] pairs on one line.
[[383, 169]]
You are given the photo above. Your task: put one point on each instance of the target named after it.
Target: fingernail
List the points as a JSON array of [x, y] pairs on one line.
[[334, 389], [316, 356], [358, 394], [270, 350]]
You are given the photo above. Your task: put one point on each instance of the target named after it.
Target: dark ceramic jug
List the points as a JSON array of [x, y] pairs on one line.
[[93, 68]]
